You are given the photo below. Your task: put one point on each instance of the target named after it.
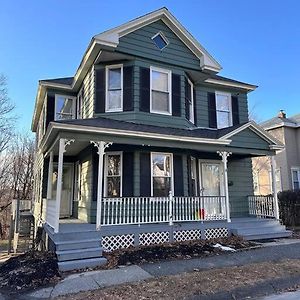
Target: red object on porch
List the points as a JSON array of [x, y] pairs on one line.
[[200, 214]]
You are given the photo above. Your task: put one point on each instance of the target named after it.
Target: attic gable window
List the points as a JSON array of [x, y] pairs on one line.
[[160, 40]]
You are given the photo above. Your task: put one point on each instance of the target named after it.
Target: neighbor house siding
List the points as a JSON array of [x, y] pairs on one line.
[[140, 44], [241, 185]]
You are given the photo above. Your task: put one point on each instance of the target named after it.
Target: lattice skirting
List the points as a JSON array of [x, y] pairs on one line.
[[187, 235], [150, 238], [213, 233], [113, 242]]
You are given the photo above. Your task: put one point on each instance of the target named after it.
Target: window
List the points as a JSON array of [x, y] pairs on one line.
[[160, 40], [79, 105], [223, 107], [161, 164], [114, 88], [277, 180], [190, 101], [160, 94], [296, 178], [113, 174], [256, 183], [194, 176], [64, 107]]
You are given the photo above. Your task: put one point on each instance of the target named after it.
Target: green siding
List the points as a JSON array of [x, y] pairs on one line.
[[140, 44], [249, 139], [240, 175]]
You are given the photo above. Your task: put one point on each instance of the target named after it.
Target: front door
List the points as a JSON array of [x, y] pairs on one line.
[[67, 189], [212, 187]]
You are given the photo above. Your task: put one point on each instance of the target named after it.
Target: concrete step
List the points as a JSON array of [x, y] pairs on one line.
[[81, 264], [77, 244], [261, 229], [242, 221], [264, 236], [65, 255], [256, 225]]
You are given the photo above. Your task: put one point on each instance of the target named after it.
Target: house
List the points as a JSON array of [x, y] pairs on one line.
[[146, 144], [287, 177]]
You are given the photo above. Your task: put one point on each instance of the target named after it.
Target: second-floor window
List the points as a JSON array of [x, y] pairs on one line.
[[160, 91], [114, 88], [224, 110], [190, 101], [64, 107]]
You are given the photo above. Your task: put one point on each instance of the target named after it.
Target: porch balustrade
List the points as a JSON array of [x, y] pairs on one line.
[[51, 212], [262, 206], [145, 210]]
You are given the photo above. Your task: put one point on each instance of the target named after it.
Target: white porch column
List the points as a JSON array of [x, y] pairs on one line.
[[101, 145], [224, 155], [274, 187], [62, 149], [50, 174]]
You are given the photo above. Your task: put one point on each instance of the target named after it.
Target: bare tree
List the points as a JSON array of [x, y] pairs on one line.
[[7, 120]]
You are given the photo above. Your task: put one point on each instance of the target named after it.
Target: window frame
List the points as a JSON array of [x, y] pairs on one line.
[[163, 38], [171, 171], [73, 105], [79, 100], [194, 171], [297, 169], [191, 104], [120, 153], [107, 68], [230, 108], [169, 73]]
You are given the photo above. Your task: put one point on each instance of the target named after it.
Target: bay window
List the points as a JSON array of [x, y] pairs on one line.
[[114, 88], [113, 174], [224, 110], [161, 165], [160, 91], [64, 107]]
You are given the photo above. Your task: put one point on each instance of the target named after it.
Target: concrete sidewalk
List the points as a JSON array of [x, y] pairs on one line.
[[88, 281]]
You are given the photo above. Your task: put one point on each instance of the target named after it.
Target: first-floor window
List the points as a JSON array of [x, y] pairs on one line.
[[64, 107], [223, 108], [194, 176], [296, 178], [277, 180], [161, 164], [113, 174]]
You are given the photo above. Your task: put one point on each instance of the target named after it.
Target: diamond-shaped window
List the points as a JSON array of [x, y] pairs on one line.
[[160, 41]]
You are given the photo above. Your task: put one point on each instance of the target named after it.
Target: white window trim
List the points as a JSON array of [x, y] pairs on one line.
[[212, 161], [298, 173], [163, 37], [79, 100], [73, 105], [230, 107], [192, 118], [107, 68], [194, 159], [105, 170], [171, 170], [169, 73]]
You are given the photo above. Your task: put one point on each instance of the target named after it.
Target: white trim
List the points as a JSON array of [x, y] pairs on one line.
[[79, 102], [129, 133], [192, 120], [245, 86], [171, 170], [220, 93], [73, 105], [215, 162], [196, 179], [169, 73], [164, 39], [107, 68], [106, 154]]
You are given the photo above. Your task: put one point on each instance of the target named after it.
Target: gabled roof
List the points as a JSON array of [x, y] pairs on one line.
[[276, 122], [111, 37]]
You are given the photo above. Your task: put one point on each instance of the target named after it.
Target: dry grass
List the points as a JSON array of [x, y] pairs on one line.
[[195, 283]]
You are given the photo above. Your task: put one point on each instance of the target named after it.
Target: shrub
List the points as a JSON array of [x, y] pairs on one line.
[[289, 207]]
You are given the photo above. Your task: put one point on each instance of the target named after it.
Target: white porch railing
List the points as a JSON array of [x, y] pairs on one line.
[[145, 210], [50, 212], [262, 206]]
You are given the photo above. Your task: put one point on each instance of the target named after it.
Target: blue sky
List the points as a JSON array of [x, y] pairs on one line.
[[255, 41]]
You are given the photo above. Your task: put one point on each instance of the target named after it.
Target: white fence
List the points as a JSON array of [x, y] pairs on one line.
[[145, 210], [262, 206], [50, 212]]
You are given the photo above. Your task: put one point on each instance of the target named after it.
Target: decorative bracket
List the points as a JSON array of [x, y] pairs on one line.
[[100, 144], [67, 143], [224, 155]]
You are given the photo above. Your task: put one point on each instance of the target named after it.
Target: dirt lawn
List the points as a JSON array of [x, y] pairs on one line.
[[197, 282]]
